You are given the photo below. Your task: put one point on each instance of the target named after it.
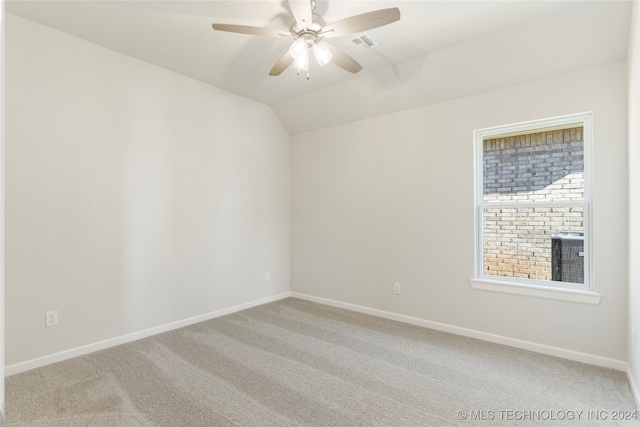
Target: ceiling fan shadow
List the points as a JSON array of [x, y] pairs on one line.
[[399, 74]]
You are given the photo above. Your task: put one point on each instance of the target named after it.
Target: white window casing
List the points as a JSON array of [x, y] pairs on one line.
[[564, 291]]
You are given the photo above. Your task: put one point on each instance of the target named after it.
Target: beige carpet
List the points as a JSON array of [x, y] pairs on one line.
[[296, 363]]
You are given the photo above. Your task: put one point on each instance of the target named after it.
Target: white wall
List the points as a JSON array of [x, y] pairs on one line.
[[390, 199], [633, 63], [2, 19], [135, 197]]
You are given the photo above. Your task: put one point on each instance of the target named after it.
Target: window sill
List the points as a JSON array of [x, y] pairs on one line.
[[571, 295]]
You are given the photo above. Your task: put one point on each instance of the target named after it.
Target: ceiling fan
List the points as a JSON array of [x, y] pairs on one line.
[[308, 30]]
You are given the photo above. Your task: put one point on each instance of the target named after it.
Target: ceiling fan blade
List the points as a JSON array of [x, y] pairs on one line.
[[254, 31], [343, 60], [282, 64], [301, 10], [362, 22]]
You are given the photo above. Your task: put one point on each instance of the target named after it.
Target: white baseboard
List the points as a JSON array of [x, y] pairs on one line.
[[499, 339], [577, 356], [634, 386], [123, 339]]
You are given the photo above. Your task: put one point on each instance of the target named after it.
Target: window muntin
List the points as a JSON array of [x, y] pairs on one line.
[[532, 191]]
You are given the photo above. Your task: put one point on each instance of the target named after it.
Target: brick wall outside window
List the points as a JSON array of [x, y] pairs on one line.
[[536, 167]]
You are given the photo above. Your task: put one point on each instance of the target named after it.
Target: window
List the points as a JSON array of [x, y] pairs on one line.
[[533, 197]]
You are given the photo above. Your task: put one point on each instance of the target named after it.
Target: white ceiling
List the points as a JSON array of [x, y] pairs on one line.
[[450, 45], [177, 35]]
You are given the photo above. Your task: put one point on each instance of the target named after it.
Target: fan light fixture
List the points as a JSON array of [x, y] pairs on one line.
[[302, 62], [299, 51], [322, 53], [308, 29], [298, 47]]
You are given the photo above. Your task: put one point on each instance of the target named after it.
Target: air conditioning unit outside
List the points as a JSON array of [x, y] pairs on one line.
[[567, 257]]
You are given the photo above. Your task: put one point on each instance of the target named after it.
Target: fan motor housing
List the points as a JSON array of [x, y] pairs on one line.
[[310, 32]]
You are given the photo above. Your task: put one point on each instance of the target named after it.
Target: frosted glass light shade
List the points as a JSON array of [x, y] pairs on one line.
[[302, 61], [322, 53], [298, 48]]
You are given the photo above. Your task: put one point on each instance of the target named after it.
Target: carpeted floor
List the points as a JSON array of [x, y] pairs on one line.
[[297, 363]]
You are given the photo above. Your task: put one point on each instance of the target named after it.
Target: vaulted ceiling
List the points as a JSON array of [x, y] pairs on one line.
[[438, 50]]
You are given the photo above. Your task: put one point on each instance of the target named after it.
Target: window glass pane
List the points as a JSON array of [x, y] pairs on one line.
[[544, 243], [540, 166]]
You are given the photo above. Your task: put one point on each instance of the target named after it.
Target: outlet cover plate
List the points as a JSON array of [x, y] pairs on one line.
[[51, 318]]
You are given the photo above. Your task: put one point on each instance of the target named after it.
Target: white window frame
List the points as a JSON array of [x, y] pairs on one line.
[[581, 293]]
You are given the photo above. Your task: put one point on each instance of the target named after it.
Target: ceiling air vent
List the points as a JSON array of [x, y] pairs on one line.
[[361, 42]]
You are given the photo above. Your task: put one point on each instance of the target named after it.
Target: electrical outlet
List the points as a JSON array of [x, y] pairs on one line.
[[267, 276], [51, 318], [396, 288]]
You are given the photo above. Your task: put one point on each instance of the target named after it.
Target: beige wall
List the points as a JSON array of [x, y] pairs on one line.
[[390, 199], [135, 197]]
